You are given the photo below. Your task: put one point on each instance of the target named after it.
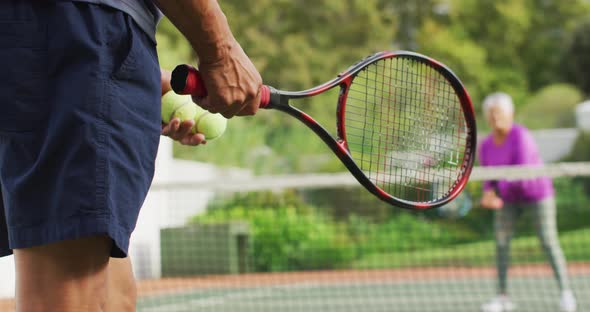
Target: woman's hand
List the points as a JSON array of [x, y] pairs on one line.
[[490, 200]]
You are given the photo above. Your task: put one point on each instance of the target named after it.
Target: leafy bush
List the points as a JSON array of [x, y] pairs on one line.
[[551, 107], [406, 232], [295, 236], [288, 238]]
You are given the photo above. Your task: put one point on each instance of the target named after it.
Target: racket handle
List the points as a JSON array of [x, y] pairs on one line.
[[187, 80]]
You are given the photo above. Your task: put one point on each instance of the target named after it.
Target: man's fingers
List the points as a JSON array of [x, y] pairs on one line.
[[246, 108], [177, 130], [182, 132], [232, 110], [198, 138], [184, 129], [165, 129], [239, 107], [170, 128], [195, 139], [250, 107], [173, 127]]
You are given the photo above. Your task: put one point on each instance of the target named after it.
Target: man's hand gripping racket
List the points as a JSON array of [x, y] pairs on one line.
[[405, 125]]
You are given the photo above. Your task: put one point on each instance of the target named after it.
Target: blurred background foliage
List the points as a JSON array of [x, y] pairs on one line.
[[536, 50], [349, 228]]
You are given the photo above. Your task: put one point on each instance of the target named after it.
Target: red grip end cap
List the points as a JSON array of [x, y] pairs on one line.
[[264, 96], [194, 83]]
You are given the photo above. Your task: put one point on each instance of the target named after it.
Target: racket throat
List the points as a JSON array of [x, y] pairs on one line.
[[277, 100], [343, 146]]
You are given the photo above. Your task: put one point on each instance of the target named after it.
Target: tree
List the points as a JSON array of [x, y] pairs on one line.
[[551, 24], [505, 45], [577, 57], [481, 41]]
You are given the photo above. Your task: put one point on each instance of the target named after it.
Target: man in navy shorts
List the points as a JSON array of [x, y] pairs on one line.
[[79, 130]]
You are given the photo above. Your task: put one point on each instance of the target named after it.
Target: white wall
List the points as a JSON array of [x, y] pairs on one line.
[[165, 208], [7, 277], [555, 144], [583, 115], [169, 207]]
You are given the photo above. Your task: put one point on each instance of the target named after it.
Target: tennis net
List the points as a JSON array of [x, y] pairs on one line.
[[321, 243]]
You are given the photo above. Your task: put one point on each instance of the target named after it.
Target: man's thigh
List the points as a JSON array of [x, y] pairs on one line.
[[66, 276]]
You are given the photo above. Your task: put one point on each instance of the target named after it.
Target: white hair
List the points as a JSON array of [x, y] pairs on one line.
[[500, 99]]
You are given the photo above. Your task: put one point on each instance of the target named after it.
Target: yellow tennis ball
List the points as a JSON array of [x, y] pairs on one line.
[[211, 125], [171, 102], [188, 111]]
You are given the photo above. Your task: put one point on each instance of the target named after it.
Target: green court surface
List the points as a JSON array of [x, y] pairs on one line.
[[532, 294]]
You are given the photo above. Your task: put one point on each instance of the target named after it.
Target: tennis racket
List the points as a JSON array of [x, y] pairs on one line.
[[405, 125]]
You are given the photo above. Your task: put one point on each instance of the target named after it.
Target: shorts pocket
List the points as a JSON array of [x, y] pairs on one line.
[[23, 83], [135, 83], [126, 53]]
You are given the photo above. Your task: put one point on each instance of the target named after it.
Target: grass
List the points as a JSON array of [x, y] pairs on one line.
[[523, 250]]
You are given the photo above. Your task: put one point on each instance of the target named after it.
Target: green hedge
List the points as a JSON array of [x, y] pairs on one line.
[[286, 238], [289, 234]]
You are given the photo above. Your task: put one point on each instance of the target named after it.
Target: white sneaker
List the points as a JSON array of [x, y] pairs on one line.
[[498, 304], [567, 303]]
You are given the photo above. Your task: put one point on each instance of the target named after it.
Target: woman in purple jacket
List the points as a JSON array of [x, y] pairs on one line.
[[512, 144]]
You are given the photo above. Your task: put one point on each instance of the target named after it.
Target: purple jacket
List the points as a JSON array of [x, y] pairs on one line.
[[519, 148]]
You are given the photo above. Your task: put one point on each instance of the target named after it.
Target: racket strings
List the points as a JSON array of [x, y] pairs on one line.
[[406, 130]]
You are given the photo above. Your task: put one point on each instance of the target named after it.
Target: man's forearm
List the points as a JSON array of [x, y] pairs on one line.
[[203, 23]]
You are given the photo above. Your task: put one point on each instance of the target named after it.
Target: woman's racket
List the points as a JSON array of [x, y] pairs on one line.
[[405, 125], [458, 208], [462, 204]]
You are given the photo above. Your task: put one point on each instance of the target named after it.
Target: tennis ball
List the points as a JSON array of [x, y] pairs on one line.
[[211, 125], [171, 102], [188, 111]]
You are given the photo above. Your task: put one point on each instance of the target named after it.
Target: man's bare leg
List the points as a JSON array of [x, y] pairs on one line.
[[65, 276], [122, 291]]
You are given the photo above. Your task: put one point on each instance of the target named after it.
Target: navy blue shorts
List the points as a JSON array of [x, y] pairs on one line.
[[79, 123]]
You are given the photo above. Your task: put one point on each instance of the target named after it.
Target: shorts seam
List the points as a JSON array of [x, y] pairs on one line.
[[103, 148]]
